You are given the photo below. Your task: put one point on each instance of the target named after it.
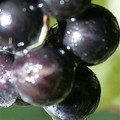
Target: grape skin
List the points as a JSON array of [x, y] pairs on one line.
[[93, 37], [83, 99], [43, 76], [63, 9], [8, 92], [20, 23]]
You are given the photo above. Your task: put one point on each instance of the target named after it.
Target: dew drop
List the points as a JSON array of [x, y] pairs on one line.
[[62, 2], [24, 9]]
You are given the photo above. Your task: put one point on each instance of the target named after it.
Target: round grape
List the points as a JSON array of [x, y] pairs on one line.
[[43, 76], [20, 23], [83, 99], [93, 37]]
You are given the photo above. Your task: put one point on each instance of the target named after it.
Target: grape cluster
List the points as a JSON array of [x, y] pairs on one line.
[[47, 66]]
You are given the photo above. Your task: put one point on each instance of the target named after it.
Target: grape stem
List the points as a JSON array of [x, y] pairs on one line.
[[43, 33], [41, 38]]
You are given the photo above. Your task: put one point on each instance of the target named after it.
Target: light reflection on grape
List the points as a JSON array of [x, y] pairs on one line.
[[8, 93]]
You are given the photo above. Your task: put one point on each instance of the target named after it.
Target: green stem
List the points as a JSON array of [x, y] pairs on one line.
[[41, 38]]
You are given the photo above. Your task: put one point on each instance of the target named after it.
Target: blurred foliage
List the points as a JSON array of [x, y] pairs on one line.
[[109, 71], [108, 74]]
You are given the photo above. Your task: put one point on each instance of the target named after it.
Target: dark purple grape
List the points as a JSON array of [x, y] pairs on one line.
[[20, 23], [8, 93], [93, 37], [53, 37], [83, 99], [6, 61], [44, 75], [63, 9]]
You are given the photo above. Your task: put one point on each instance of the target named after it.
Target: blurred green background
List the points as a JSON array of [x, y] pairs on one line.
[[108, 74]]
